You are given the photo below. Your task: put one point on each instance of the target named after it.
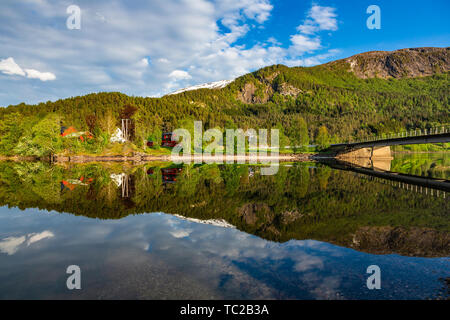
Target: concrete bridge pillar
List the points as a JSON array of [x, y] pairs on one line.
[[368, 153], [381, 153], [373, 157], [381, 158], [363, 153]]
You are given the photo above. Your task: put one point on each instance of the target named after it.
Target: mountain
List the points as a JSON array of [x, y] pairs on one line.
[[398, 64], [368, 94], [404, 63]]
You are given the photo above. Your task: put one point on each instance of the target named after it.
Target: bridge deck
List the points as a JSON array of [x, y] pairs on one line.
[[433, 138]]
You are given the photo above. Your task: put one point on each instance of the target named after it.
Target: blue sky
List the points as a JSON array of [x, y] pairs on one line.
[[153, 47]]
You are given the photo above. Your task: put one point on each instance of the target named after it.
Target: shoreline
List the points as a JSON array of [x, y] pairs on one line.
[[142, 157]]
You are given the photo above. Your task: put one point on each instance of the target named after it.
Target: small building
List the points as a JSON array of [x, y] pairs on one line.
[[167, 140], [68, 131], [71, 132]]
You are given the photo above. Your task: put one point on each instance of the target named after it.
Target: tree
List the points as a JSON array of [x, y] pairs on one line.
[[127, 111], [91, 121], [108, 122], [11, 129], [43, 139], [284, 141], [299, 133], [323, 138]]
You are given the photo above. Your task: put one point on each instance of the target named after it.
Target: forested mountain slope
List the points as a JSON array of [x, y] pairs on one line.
[[368, 94]]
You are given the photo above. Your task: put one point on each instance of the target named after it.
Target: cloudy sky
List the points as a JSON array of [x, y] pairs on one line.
[[153, 47]]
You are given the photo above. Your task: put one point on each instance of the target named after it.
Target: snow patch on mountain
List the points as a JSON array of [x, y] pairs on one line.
[[215, 222], [210, 85]]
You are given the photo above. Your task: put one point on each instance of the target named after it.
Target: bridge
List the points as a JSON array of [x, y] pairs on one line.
[[418, 184], [380, 146]]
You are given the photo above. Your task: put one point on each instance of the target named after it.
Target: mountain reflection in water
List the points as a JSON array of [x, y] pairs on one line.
[[228, 226]]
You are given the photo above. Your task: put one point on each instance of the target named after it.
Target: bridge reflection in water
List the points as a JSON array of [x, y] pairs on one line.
[[413, 183]]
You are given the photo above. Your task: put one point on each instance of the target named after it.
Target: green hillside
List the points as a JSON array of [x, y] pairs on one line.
[[328, 97]]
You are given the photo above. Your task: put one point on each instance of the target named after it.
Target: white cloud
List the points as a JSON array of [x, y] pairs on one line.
[[10, 67], [144, 62], [307, 28], [318, 19], [273, 41], [179, 75], [258, 10], [181, 233], [35, 237], [10, 245], [301, 43], [308, 263], [190, 42], [43, 76], [324, 17]]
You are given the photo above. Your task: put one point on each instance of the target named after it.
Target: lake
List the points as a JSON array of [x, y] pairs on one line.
[[160, 231]]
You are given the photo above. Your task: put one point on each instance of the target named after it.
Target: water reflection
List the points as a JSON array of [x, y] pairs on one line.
[[303, 201], [161, 256], [308, 232], [432, 165], [10, 245], [418, 184]]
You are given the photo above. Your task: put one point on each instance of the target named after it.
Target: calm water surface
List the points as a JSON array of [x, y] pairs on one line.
[[221, 232]]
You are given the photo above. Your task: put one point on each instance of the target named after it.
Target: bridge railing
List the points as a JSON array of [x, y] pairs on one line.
[[405, 134], [428, 191]]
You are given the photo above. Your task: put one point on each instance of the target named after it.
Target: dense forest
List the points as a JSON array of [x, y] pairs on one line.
[[322, 104]]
